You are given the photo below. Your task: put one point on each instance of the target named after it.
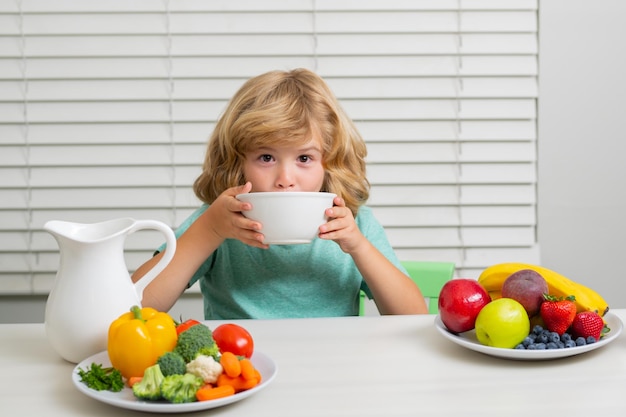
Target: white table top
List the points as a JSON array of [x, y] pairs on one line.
[[353, 366]]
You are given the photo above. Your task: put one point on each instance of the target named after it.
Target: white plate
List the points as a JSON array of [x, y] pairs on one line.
[[468, 340], [126, 399]]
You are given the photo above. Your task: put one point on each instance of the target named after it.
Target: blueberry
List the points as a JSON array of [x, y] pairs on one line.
[[520, 347], [590, 339], [565, 337], [554, 337], [560, 344], [537, 329], [580, 341], [540, 346], [532, 346], [527, 341], [542, 338], [552, 345], [570, 344]]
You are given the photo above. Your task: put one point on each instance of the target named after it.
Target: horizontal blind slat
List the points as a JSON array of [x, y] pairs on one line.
[[449, 152], [451, 194], [243, 67], [277, 45], [455, 216], [199, 89], [288, 22], [448, 173], [137, 6], [104, 133], [198, 132], [186, 111]]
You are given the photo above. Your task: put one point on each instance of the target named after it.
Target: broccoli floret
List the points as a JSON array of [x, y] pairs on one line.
[[149, 388], [181, 388], [213, 351], [171, 363], [193, 340]]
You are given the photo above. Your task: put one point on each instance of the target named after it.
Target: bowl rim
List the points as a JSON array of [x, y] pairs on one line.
[[262, 194]]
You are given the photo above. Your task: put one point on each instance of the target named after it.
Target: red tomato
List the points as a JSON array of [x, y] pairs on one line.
[[185, 325], [233, 338]]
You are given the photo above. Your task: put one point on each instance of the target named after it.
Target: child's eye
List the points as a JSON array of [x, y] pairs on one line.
[[266, 158], [304, 158]]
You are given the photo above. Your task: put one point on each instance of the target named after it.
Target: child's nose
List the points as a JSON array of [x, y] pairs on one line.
[[285, 178]]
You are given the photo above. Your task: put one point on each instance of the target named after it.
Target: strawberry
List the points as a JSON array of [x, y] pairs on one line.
[[558, 313], [588, 323]]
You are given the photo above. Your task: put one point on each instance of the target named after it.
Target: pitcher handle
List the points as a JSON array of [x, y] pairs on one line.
[[170, 240]]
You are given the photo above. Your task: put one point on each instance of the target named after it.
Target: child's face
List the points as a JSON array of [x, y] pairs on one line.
[[285, 168]]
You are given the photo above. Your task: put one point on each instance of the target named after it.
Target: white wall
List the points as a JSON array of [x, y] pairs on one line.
[[582, 142]]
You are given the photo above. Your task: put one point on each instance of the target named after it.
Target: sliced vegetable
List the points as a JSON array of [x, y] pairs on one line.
[[231, 364], [133, 380], [247, 369], [213, 393], [238, 383]]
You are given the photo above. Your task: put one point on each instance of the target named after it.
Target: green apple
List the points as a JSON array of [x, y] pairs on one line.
[[502, 323]]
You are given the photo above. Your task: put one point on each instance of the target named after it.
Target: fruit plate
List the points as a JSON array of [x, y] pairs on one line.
[[469, 341], [126, 399]]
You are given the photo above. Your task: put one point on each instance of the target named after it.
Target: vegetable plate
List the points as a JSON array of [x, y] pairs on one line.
[[126, 399]]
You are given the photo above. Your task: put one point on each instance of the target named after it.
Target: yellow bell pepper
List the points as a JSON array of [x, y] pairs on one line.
[[137, 338]]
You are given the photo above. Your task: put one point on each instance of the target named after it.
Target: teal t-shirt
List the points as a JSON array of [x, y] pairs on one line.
[[285, 281]]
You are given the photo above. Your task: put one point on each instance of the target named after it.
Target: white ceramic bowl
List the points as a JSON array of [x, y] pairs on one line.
[[289, 217]]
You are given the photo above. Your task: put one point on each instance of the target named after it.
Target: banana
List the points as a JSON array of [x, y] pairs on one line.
[[587, 299], [495, 295]]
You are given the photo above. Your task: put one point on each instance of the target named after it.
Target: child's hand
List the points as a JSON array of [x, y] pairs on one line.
[[341, 227], [228, 222]]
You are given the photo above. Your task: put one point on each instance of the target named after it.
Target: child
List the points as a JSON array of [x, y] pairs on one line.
[[283, 131]]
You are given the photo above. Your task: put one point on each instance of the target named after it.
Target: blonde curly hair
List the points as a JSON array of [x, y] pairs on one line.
[[281, 108]]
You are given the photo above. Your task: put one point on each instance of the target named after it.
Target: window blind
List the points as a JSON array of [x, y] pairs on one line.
[[105, 109]]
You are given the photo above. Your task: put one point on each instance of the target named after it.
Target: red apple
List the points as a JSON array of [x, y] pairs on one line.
[[460, 301]]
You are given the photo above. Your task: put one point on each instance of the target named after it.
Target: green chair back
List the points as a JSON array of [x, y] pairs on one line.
[[429, 276]]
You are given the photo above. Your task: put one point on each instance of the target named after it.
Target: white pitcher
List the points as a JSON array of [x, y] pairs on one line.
[[93, 286]]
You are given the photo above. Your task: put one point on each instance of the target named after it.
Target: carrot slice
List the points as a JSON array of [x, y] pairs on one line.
[[247, 369], [213, 393], [133, 380], [231, 364], [238, 383]]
